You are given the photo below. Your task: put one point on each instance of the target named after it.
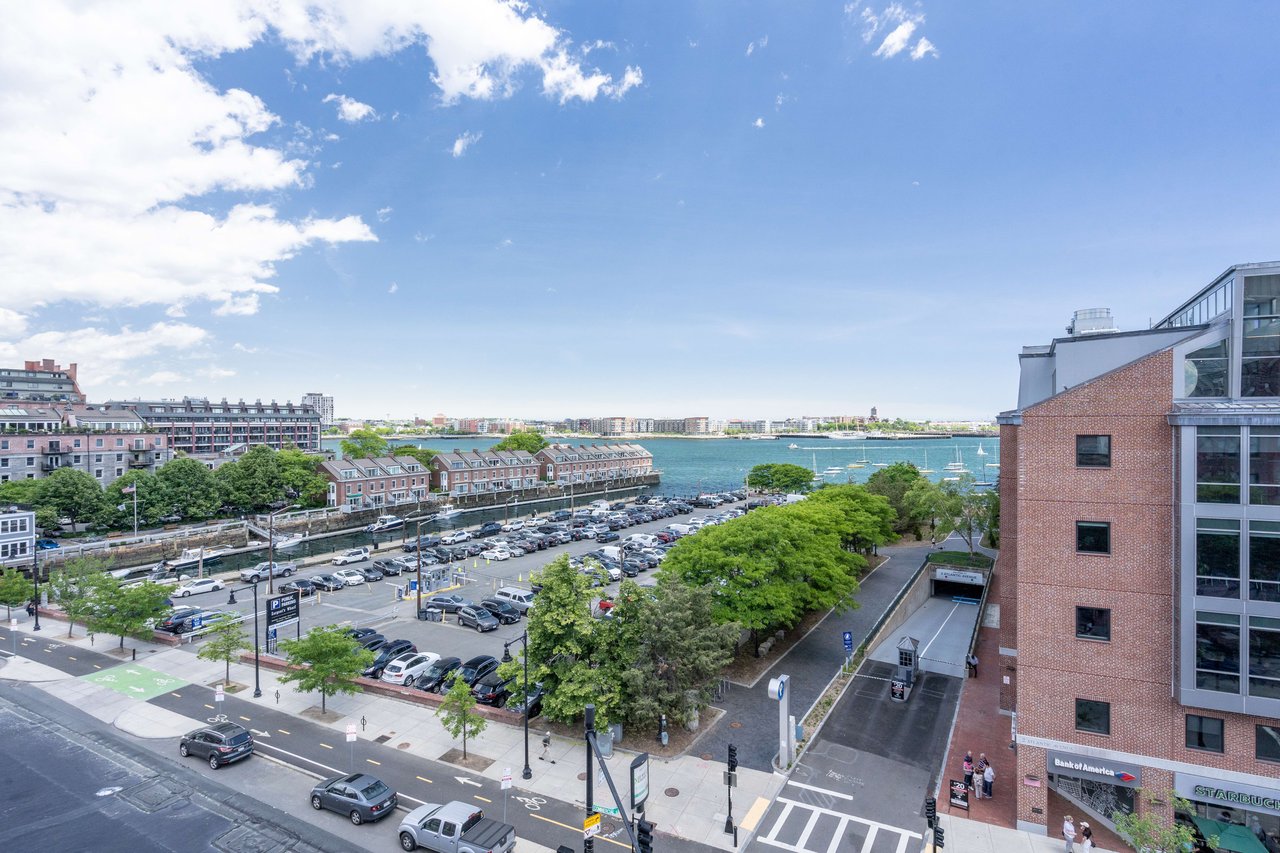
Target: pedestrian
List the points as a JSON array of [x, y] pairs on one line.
[[1086, 835], [972, 660], [988, 777], [968, 771], [933, 541], [1069, 833], [31, 609], [546, 747], [981, 768]]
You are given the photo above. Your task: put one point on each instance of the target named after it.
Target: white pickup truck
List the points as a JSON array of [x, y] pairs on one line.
[[263, 569], [455, 827]]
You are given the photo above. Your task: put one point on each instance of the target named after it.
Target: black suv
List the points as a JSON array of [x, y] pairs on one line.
[[437, 675], [386, 654], [502, 611], [219, 744], [489, 528], [477, 668], [493, 690]]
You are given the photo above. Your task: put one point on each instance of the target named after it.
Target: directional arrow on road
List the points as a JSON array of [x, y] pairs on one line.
[[260, 734], [137, 689], [465, 781]]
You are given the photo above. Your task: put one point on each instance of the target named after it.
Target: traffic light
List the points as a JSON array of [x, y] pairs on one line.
[[938, 842], [931, 810], [644, 835], [733, 758]]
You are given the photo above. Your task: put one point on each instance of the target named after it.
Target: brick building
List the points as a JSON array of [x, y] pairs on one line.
[[104, 443], [40, 382], [207, 428], [1140, 562], [473, 472], [565, 464], [372, 483]]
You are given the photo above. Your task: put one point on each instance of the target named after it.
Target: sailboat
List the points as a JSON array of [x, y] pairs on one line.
[[817, 478], [957, 467], [793, 446], [926, 469]]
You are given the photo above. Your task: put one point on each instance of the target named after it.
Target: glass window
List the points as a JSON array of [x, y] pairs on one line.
[[1093, 623], [1218, 652], [1264, 657], [1093, 451], [1264, 560], [1204, 733], [1218, 465], [1267, 746], [1093, 537], [1092, 716], [1264, 466], [1260, 346], [1206, 371], [1218, 557]]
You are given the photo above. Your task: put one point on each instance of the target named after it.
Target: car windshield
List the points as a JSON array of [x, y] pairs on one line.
[[375, 792], [236, 740]]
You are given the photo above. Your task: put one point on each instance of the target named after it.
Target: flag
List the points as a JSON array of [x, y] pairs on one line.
[[128, 490]]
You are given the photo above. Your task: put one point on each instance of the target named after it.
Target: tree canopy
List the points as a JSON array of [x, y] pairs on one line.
[[74, 587], [72, 493], [189, 488], [225, 642], [127, 611], [529, 440], [327, 660], [15, 589], [422, 454], [964, 509], [893, 483], [253, 482], [780, 477], [457, 711], [364, 444]]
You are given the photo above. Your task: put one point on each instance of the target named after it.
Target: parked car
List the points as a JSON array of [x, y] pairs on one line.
[[408, 666], [502, 611], [534, 700], [431, 541], [455, 827], [449, 602], [46, 545], [437, 674], [358, 633], [387, 567], [179, 620], [520, 599], [369, 573], [386, 654], [302, 586], [477, 617], [359, 796], [607, 536], [219, 744], [498, 554], [477, 668], [489, 528], [350, 577], [455, 537], [262, 570], [492, 689], [513, 525], [373, 642], [195, 587], [352, 555], [328, 583]]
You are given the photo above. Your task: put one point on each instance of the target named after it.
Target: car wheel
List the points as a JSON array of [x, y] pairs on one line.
[[355, 817], [213, 762], [255, 579], [183, 751], [185, 593], [286, 573], [407, 842], [315, 802], [502, 702]]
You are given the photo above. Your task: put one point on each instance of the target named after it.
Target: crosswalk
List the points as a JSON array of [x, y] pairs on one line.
[[805, 827]]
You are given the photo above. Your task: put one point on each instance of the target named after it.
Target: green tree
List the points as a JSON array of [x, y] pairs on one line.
[[301, 477], [326, 660], [780, 477], [991, 523], [529, 440], [561, 640], [71, 493], [226, 640], [964, 508], [364, 444], [15, 589], [865, 520], [127, 611], [19, 492], [74, 587], [893, 483], [252, 482], [925, 503], [457, 711], [1148, 831], [189, 489], [117, 505]]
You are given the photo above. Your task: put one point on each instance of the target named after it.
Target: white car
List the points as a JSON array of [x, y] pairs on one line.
[[455, 537], [513, 525], [354, 555], [405, 668], [196, 587], [350, 577], [498, 554]]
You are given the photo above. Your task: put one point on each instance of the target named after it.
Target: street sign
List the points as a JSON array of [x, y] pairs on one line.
[[730, 779], [590, 825], [282, 610], [217, 694], [848, 641], [351, 732], [959, 794], [506, 779], [639, 781]]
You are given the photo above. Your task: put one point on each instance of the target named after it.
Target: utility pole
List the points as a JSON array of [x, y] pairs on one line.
[[589, 843]]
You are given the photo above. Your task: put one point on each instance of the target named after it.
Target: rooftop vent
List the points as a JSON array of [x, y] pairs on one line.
[[1092, 321]]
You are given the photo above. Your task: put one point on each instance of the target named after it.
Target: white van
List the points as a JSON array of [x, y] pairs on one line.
[[647, 540], [613, 552], [520, 599], [680, 529]]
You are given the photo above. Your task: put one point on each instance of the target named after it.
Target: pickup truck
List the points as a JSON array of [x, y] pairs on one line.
[[260, 571], [455, 827]]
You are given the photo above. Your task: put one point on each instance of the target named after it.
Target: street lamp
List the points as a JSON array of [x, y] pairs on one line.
[[35, 579], [527, 773], [418, 614], [271, 547], [257, 679]]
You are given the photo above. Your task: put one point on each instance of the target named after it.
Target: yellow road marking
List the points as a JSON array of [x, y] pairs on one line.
[[753, 815], [210, 707], [371, 761], [95, 666], [485, 799], [243, 717], [69, 657], [283, 732], [425, 779], [326, 746], [577, 830]]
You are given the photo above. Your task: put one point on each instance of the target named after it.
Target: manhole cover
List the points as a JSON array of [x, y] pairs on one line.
[[404, 745], [706, 756], [672, 792], [735, 725], [382, 738], [582, 777]]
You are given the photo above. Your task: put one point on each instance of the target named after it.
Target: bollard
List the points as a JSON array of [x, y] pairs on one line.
[[135, 654]]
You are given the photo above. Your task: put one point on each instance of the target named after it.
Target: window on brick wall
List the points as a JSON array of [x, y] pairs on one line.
[[1093, 451], [1093, 537], [1093, 623], [1218, 465], [1204, 733], [1267, 743], [1093, 716], [1218, 557]]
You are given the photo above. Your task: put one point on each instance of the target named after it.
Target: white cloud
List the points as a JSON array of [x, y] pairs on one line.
[[214, 372], [350, 110], [393, 288], [506, 243], [758, 44], [894, 25], [419, 237], [896, 41], [759, 122], [384, 213], [465, 141], [105, 355], [923, 48], [161, 377], [239, 347], [332, 137]]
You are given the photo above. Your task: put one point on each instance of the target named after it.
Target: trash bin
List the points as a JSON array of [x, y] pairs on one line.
[[430, 614]]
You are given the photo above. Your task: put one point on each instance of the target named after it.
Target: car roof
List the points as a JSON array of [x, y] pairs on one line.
[[449, 661], [479, 659], [226, 728]]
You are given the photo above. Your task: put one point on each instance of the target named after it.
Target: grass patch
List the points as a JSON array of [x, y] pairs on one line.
[[963, 559]]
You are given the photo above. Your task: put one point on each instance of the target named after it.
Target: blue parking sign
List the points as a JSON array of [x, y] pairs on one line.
[[848, 641]]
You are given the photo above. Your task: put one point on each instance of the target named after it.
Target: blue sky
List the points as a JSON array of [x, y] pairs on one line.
[[578, 209]]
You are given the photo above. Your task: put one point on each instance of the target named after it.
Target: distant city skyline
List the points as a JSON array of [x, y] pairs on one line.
[[602, 208]]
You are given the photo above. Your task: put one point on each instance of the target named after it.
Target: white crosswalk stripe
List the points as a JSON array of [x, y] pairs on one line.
[[875, 831]]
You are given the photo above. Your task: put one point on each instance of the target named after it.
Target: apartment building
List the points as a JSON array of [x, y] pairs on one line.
[[40, 382], [471, 472], [104, 443], [17, 536], [203, 428], [373, 483], [1140, 563], [323, 404], [565, 464]]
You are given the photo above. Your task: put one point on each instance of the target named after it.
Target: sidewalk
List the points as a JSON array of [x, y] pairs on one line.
[[688, 793]]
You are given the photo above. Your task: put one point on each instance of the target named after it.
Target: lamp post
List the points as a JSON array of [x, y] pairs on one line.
[[35, 580], [271, 547], [418, 550], [527, 773], [257, 680]]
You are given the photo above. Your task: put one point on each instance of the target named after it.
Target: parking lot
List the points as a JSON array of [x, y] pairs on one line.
[[376, 605]]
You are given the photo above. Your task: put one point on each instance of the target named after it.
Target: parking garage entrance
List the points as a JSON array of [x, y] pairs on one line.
[[958, 584]]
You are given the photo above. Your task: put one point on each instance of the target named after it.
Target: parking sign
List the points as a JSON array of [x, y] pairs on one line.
[[848, 641]]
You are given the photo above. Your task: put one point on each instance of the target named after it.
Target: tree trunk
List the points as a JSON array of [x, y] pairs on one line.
[[122, 642], [322, 704], [464, 740]]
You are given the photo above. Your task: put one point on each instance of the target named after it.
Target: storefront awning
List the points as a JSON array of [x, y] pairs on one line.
[[1231, 836]]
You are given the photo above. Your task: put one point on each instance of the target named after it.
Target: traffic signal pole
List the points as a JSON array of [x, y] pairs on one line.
[[730, 779]]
